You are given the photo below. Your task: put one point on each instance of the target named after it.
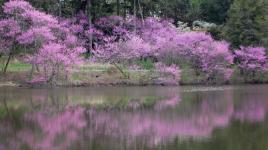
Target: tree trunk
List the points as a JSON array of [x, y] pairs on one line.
[[82, 6], [121, 71], [135, 15], [52, 77], [125, 9], [117, 7], [37, 68], [7, 63], [90, 26], [60, 8], [140, 10], [32, 71], [130, 8]]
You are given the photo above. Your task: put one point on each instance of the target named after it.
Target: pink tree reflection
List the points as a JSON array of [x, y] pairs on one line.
[[49, 130], [194, 117]]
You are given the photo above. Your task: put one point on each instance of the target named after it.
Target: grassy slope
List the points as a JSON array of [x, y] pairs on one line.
[[87, 74], [104, 74]]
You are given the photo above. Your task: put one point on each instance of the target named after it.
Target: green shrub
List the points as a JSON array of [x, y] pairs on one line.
[[147, 64]]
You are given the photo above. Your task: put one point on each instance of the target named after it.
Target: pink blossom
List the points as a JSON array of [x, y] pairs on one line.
[[251, 58], [9, 29], [36, 34], [17, 6], [172, 70]]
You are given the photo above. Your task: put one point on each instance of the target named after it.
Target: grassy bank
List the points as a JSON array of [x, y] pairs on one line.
[[88, 74], [93, 74]]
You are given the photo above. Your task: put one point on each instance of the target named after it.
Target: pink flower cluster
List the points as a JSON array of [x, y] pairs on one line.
[[172, 70], [9, 29], [252, 58], [17, 6], [41, 34], [58, 54]]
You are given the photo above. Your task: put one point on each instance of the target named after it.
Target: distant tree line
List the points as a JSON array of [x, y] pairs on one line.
[[179, 10]]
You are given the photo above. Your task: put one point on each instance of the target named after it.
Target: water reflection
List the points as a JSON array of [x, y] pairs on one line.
[[123, 118]]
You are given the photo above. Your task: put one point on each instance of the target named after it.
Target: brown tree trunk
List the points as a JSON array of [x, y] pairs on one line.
[[7, 63], [60, 9], [121, 71], [32, 72], [90, 26], [140, 10], [125, 9], [117, 7]]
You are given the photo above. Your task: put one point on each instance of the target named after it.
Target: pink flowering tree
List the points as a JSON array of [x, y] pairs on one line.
[[251, 60], [9, 29], [50, 45], [87, 34], [204, 54], [35, 25], [122, 51], [14, 24], [112, 26], [160, 41], [56, 58], [173, 46]]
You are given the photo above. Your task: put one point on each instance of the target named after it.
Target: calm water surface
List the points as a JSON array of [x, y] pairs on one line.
[[135, 118]]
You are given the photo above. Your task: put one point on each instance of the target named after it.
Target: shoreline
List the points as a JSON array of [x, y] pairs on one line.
[[4, 84], [110, 77]]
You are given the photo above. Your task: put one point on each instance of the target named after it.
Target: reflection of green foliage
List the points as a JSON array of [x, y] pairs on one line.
[[150, 101], [3, 112], [238, 136], [17, 115], [25, 147], [118, 104], [13, 113], [122, 103]]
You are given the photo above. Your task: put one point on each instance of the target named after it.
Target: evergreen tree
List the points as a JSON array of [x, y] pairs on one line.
[[247, 23], [215, 10]]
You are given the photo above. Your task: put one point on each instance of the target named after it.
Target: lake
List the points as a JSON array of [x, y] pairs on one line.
[[135, 118]]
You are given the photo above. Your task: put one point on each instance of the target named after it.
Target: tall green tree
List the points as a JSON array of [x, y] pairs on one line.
[[215, 10], [247, 23], [177, 10]]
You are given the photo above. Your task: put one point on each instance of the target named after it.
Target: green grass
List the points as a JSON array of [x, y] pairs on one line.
[[15, 66], [90, 72], [3, 113], [146, 64], [150, 101], [93, 67]]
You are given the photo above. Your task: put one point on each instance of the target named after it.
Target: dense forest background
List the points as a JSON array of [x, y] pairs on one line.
[[241, 22]]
